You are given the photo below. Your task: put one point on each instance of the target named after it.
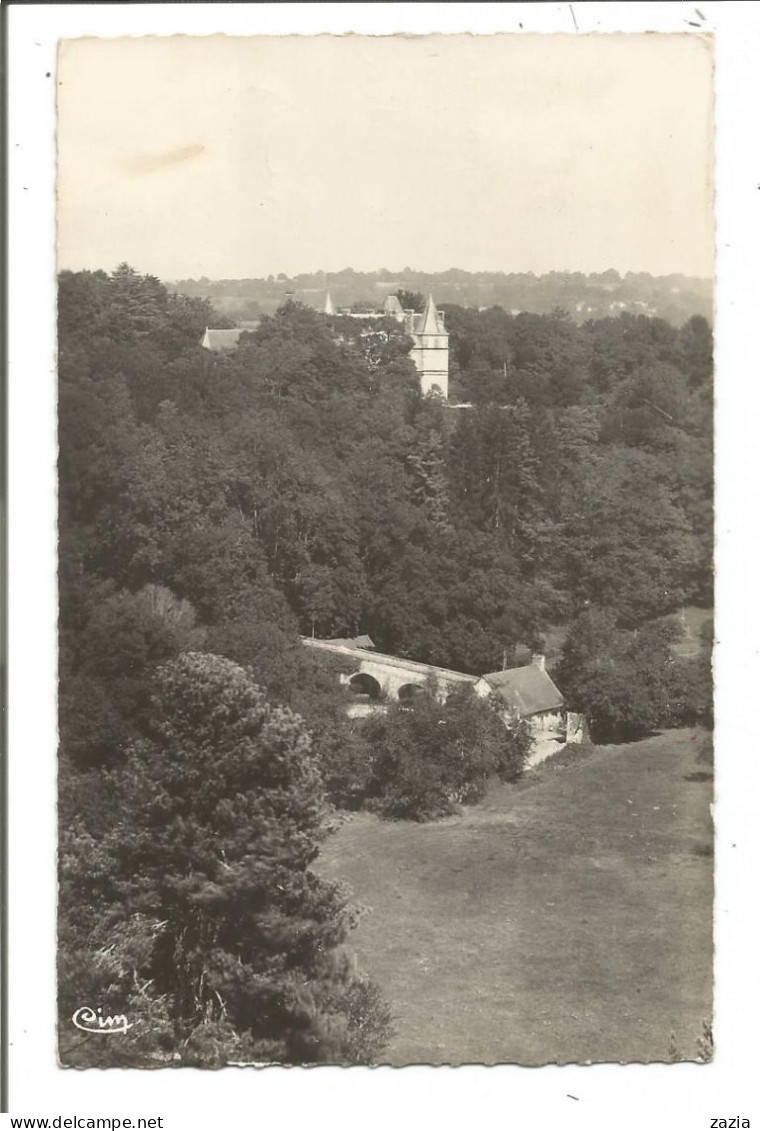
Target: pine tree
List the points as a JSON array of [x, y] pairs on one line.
[[220, 818], [429, 486]]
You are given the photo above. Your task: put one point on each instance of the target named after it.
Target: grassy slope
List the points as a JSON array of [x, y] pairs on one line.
[[565, 919]]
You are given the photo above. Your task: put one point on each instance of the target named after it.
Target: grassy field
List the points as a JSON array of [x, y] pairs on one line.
[[565, 919]]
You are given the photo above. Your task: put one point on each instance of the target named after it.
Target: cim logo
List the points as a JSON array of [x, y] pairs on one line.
[[92, 1021]]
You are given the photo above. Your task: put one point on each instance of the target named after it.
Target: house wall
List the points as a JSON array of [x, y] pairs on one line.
[[577, 728], [547, 721], [543, 725]]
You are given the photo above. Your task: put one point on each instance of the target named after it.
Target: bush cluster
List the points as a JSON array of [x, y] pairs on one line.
[[427, 759], [629, 682]]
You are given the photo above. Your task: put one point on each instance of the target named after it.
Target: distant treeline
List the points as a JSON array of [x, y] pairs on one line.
[[596, 295]]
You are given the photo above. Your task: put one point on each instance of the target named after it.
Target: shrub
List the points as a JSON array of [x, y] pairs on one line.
[[428, 759], [628, 682]]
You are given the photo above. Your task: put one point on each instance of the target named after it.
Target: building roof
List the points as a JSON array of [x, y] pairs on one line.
[[392, 305], [347, 648], [429, 323], [527, 690], [219, 340], [353, 642]]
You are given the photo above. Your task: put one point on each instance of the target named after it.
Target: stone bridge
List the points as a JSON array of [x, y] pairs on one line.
[[378, 676]]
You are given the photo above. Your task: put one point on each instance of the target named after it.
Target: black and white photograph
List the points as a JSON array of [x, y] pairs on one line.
[[385, 541], [382, 614]]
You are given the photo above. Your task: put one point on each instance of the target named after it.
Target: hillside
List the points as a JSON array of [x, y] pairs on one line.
[[565, 919]]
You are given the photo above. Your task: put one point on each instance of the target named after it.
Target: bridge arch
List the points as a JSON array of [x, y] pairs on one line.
[[408, 692], [364, 684]]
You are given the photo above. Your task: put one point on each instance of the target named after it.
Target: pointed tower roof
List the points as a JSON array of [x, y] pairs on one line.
[[429, 318], [329, 308]]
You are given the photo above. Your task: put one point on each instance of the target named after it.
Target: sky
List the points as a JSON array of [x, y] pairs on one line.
[[242, 157]]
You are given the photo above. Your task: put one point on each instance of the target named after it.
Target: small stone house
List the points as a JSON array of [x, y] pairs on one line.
[[526, 692], [530, 693]]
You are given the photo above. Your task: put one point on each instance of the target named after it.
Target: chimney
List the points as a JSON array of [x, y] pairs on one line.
[[538, 660]]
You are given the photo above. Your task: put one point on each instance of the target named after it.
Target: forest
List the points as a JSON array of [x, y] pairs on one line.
[[214, 507]]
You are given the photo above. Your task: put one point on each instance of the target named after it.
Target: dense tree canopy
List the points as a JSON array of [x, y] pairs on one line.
[[301, 481]]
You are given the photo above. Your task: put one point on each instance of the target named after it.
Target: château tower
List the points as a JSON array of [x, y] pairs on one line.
[[430, 352]]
